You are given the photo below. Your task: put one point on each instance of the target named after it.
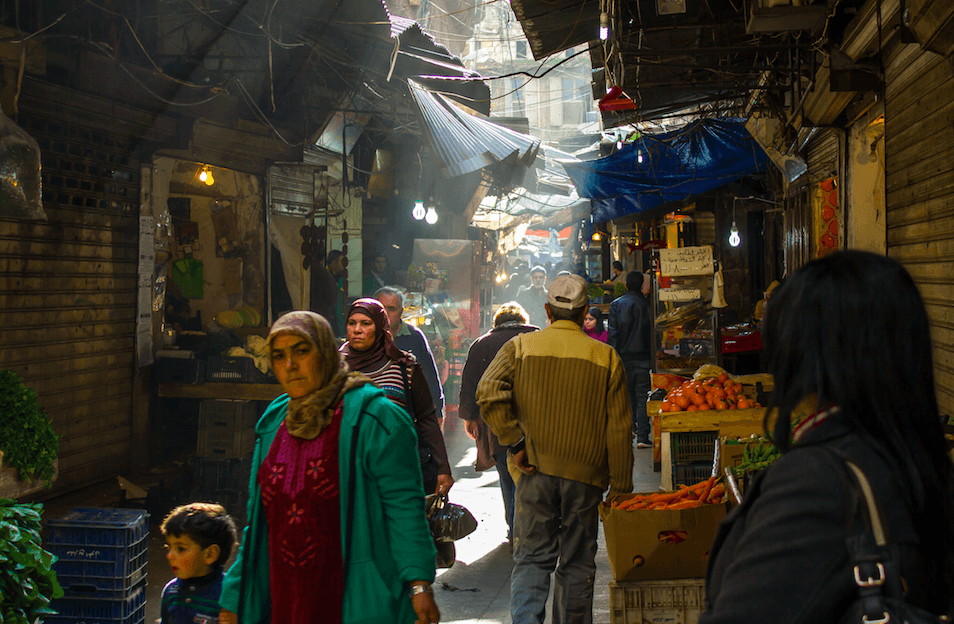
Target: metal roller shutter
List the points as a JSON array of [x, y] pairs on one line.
[[822, 156], [69, 285], [919, 106]]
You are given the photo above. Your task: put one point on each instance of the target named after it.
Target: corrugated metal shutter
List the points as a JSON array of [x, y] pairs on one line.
[[69, 286], [822, 156], [920, 191]]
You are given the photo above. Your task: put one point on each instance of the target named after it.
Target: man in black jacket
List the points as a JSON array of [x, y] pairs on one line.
[[630, 323]]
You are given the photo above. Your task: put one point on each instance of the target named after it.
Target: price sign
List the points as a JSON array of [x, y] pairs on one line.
[[686, 261], [685, 294]]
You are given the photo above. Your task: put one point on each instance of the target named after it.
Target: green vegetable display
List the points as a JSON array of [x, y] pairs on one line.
[[757, 455], [27, 581], [26, 435]]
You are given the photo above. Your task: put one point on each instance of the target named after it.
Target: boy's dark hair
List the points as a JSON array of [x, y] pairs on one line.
[[206, 524], [617, 265], [634, 281]]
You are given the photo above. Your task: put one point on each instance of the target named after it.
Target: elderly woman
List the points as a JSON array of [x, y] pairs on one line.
[[336, 528], [849, 344], [371, 350]]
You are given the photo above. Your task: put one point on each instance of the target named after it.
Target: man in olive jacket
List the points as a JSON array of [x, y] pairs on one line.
[[557, 398], [629, 326]]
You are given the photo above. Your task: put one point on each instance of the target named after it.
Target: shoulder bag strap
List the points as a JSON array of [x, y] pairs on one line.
[[408, 399]]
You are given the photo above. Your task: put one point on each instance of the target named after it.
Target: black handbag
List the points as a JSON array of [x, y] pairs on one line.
[[448, 521], [875, 564]]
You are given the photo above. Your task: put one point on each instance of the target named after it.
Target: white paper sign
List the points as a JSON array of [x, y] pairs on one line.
[[686, 261], [685, 294], [147, 267]]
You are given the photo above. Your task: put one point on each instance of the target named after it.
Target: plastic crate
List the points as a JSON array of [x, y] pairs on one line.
[[678, 601], [693, 446], [115, 562], [233, 369], [226, 428], [102, 588], [92, 611], [98, 526], [687, 474], [217, 475]]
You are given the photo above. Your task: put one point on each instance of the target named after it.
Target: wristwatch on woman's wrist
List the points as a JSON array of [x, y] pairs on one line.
[[421, 588], [518, 446]]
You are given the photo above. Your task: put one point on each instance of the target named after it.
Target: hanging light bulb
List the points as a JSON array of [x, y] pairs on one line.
[[418, 211], [734, 239], [604, 26], [431, 216], [597, 236], [639, 156], [206, 176]]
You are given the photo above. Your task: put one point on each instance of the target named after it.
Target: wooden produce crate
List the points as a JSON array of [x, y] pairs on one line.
[[677, 601]]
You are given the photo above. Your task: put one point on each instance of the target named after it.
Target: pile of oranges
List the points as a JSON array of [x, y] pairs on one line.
[[713, 393]]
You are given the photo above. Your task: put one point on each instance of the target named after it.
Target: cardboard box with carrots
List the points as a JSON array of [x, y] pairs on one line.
[[662, 535]]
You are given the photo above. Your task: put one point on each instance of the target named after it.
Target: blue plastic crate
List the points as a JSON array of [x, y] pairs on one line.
[[90, 610], [99, 561], [111, 588], [98, 526]]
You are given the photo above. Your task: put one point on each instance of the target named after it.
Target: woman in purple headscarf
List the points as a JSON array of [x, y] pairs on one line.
[[371, 350]]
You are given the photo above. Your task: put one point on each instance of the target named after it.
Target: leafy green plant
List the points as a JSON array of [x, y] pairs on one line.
[[619, 289], [26, 436], [27, 580], [595, 291]]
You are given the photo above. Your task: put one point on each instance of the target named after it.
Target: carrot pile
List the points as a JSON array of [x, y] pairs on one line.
[[706, 492]]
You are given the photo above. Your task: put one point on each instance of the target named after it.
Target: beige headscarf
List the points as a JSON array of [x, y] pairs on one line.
[[307, 416]]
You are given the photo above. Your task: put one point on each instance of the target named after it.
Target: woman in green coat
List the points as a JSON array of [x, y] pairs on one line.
[[336, 530]]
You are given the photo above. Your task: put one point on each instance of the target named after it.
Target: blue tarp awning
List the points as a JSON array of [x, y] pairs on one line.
[[656, 169]]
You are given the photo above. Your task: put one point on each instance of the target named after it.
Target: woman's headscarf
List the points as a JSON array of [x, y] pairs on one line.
[[383, 347], [307, 416], [596, 313]]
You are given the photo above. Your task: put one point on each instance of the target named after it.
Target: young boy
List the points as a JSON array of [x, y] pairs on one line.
[[199, 540]]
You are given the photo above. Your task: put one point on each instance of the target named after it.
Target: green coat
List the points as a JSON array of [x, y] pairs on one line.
[[390, 542]]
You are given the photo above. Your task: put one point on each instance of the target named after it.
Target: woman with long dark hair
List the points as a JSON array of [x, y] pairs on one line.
[[593, 325], [848, 342]]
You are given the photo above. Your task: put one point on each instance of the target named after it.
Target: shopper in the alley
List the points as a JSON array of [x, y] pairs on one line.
[[558, 400], [370, 349], [407, 337], [848, 342], [199, 540], [336, 527], [509, 321], [534, 297], [630, 322]]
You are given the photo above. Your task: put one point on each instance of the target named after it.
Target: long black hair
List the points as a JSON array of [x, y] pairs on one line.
[[852, 329], [598, 315]]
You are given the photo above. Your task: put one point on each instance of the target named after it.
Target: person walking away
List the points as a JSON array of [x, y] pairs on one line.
[[336, 527], [630, 324], [370, 349], [410, 338], [593, 325], [199, 540], [850, 385], [509, 321], [558, 400], [375, 278], [534, 298]]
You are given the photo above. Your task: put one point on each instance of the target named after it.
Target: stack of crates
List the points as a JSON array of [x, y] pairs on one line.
[[692, 454], [101, 564], [223, 481], [226, 429]]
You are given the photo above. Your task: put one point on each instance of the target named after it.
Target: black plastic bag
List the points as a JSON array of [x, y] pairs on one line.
[[449, 522]]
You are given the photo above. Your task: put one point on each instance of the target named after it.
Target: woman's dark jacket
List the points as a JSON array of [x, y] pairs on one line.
[[479, 357], [781, 556]]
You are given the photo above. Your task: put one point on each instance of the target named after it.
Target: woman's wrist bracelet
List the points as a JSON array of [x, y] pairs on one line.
[[421, 588]]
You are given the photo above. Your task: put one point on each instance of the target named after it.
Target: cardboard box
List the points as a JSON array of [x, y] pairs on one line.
[[730, 455], [646, 545]]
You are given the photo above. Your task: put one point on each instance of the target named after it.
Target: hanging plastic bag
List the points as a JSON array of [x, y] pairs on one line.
[[449, 522], [20, 195]]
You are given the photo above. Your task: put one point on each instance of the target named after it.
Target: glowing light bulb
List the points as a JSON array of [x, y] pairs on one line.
[[604, 26], [596, 236], [639, 156], [203, 175], [431, 216], [734, 239], [418, 211]]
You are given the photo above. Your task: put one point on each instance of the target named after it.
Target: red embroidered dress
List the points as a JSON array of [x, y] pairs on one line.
[[299, 480]]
